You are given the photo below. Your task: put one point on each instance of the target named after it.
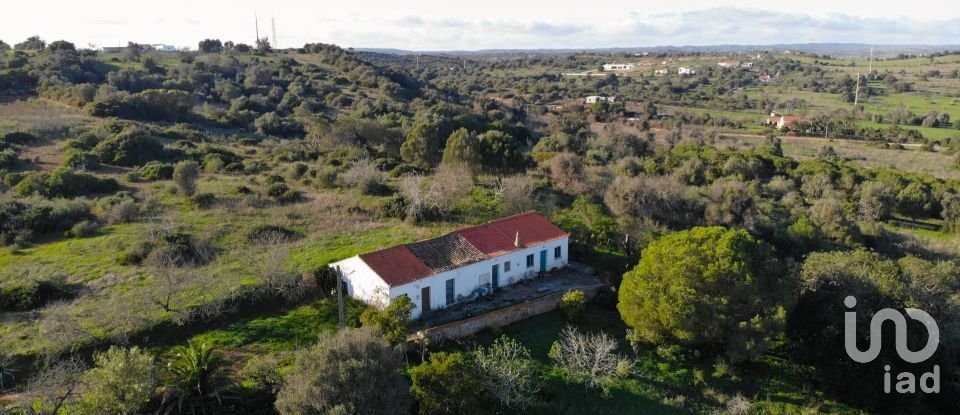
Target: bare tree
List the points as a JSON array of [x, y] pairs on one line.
[[61, 331], [437, 194], [363, 174], [507, 370], [169, 281], [589, 358], [267, 260], [54, 387], [449, 184], [566, 171], [517, 193]]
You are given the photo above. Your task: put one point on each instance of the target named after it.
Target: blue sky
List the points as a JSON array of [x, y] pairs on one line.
[[448, 25]]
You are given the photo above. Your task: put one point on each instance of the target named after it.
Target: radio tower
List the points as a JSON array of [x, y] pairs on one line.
[[273, 25]]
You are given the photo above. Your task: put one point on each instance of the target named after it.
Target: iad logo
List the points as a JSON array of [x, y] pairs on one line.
[[906, 381]]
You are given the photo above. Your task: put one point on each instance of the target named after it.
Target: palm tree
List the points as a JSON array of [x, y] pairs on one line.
[[198, 378]]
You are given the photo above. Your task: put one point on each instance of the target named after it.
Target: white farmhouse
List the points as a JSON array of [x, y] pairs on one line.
[[458, 266], [617, 67], [593, 99], [686, 70]]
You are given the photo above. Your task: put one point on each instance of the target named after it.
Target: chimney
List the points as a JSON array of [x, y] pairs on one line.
[[516, 242]]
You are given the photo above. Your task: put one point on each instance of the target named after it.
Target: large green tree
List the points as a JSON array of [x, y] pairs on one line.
[[462, 149], [708, 286]]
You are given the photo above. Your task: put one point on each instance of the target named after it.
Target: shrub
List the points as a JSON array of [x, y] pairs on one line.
[[131, 147], [203, 200], [185, 175], [83, 229], [122, 381], [327, 177], [64, 182], [290, 196], [81, 160], [8, 160], [30, 287], [573, 303], [352, 371], [18, 137], [156, 170], [447, 384], [277, 189]]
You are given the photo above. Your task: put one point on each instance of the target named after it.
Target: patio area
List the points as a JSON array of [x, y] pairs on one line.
[[574, 275]]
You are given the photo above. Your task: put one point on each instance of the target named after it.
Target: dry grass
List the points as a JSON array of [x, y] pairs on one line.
[[44, 118], [911, 159]]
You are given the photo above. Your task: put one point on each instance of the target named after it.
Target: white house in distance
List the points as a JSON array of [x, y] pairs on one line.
[[660, 72], [728, 64], [686, 70], [617, 67], [593, 99], [458, 266]]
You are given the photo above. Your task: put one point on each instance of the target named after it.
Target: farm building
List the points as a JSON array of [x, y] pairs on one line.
[[728, 64], [458, 266], [684, 70], [781, 121], [660, 72], [593, 99], [617, 66]]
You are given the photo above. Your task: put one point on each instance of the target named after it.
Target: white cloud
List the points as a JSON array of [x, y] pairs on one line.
[[438, 25]]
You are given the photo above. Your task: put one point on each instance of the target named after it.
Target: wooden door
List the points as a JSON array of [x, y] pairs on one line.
[[425, 298]]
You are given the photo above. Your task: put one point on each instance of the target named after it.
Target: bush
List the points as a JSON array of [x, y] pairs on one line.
[[122, 382], [156, 170], [64, 182], [203, 200], [131, 147], [573, 303], [290, 196], [277, 189], [8, 160], [20, 221], [447, 384], [352, 371], [83, 229], [185, 175], [81, 160], [30, 287]]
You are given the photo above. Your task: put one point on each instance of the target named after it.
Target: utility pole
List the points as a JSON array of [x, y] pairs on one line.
[[418, 61], [273, 25], [343, 323], [871, 62], [856, 93], [256, 26]]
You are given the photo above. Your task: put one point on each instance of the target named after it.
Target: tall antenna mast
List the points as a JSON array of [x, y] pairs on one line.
[[871, 61], [273, 25], [256, 26]]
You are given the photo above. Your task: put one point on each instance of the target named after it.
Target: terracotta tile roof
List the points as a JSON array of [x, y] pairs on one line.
[[403, 264], [497, 237], [446, 252], [396, 265]]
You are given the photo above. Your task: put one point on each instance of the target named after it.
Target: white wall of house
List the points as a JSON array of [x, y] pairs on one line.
[[469, 278], [362, 282]]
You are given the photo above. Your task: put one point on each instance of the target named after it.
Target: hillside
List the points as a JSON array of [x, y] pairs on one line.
[[158, 199]]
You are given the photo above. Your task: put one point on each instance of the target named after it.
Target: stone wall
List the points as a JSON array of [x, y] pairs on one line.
[[504, 316]]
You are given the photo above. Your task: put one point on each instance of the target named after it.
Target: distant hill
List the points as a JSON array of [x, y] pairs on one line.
[[835, 49]]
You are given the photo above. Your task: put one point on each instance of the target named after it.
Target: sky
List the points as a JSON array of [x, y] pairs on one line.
[[486, 24]]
